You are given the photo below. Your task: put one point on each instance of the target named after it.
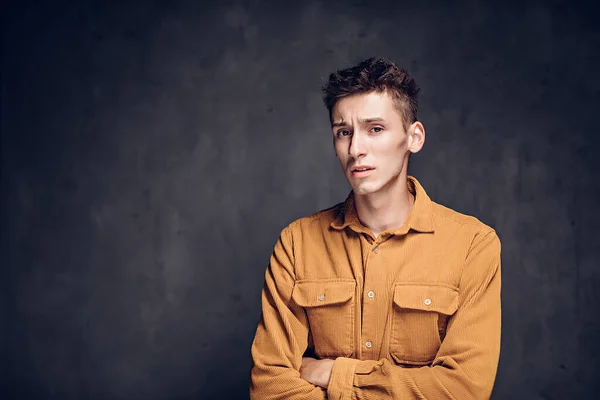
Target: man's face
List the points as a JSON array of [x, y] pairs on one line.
[[371, 143]]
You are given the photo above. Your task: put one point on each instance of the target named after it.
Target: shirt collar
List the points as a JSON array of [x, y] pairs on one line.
[[419, 218]]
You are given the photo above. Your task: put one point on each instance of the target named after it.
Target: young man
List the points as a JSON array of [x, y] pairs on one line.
[[388, 295]]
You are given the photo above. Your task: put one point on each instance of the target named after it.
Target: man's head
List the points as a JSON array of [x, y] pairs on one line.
[[374, 75], [373, 111]]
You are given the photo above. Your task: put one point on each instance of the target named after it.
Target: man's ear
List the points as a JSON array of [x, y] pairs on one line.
[[416, 137]]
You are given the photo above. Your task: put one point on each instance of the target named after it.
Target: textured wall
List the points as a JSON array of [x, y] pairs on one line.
[[152, 152]]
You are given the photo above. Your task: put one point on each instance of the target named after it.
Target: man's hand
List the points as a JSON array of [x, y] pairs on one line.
[[316, 371]]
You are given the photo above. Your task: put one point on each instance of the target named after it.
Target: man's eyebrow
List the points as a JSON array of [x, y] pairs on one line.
[[361, 120], [369, 120]]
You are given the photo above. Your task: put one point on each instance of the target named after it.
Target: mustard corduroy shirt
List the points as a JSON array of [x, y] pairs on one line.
[[411, 314]]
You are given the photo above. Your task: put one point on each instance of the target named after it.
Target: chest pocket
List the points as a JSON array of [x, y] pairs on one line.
[[330, 307], [420, 315]]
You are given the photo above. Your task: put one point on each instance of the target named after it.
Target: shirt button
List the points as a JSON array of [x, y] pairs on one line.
[[368, 345], [321, 297], [376, 250], [427, 302], [371, 295]]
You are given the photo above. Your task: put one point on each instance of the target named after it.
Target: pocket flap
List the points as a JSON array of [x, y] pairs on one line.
[[426, 297], [323, 292]]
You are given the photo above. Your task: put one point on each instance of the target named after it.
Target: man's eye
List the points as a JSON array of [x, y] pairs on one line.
[[343, 132], [377, 129]]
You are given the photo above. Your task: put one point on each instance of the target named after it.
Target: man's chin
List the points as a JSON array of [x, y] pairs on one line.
[[364, 189]]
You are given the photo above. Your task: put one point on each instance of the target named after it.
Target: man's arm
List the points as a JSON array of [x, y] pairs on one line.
[[466, 363], [282, 334]]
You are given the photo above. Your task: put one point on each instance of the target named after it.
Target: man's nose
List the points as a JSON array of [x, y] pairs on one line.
[[357, 145]]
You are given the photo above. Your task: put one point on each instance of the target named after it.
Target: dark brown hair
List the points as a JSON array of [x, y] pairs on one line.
[[374, 74]]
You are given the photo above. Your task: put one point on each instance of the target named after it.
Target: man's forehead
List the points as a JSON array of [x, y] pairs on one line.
[[365, 108], [368, 105]]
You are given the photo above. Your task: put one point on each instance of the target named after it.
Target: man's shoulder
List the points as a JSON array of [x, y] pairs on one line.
[[321, 219], [447, 217]]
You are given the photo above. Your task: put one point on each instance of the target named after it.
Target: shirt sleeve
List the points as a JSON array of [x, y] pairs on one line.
[[282, 334], [466, 363]]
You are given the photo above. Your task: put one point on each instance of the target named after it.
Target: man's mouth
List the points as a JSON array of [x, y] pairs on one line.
[[361, 170]]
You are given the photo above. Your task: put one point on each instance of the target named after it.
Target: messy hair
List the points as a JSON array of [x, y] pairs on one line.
[[374, 74]]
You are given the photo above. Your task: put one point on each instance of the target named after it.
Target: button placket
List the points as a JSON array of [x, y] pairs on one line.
[[377, 243], [372, 257]]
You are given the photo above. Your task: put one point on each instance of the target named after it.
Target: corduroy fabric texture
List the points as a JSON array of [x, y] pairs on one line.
[[411, 314]]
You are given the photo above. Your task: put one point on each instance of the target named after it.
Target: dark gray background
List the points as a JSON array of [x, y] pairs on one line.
[[153, 151]]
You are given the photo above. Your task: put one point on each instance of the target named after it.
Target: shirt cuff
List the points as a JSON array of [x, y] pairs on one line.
[[341, 380]]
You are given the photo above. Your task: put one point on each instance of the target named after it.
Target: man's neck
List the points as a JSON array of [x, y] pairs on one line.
[[385, 210]]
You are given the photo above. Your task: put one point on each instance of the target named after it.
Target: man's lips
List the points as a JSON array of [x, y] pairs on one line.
[[361, 170]]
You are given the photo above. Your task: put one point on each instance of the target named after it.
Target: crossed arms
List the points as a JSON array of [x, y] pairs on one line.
[[464, 366]]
